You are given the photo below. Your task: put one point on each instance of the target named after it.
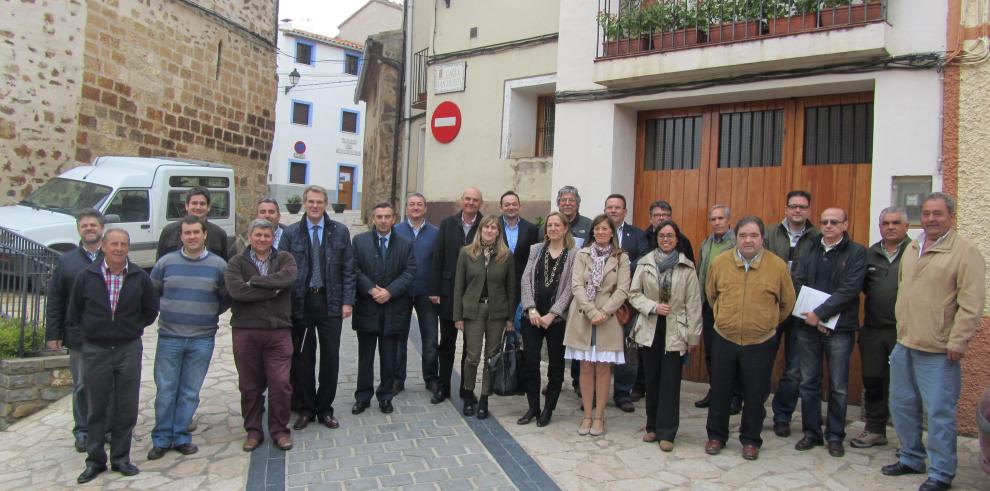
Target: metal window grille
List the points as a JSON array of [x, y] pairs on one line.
[[420, 59], [673, 143], [751, 139], [839, 134], [544, 126]]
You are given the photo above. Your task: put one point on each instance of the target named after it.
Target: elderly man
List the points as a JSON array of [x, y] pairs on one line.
[[89, 224], [939, 305], [750, 292], [385, 269], [267, 209], [836, 266], [879, 333], [661, 210], [456, 231], [112, 301], [190, 285], [260, 283], [323, 296], [197, 204], [720, 240], [569, 203]]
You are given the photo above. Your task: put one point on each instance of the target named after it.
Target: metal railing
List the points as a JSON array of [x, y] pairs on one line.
[[629, 27], [25, 269], [419, 76]]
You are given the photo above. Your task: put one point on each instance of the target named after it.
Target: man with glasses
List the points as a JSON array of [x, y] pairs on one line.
[[569, 204], [659, 211], [789, 240], [834, 265]]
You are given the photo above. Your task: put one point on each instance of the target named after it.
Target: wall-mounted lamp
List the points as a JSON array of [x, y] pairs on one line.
[[293, 80]]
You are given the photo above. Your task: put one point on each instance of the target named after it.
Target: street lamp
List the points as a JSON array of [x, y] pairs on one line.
[[293, 80]]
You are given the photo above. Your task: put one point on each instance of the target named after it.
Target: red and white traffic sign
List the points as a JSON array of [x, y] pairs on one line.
[[446, 122]]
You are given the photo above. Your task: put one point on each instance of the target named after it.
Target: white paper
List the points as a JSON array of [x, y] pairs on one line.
[[808, 300], [579, 242]]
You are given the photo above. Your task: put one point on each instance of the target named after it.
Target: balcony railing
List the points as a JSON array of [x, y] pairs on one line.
[[636, 27], [418, 85]]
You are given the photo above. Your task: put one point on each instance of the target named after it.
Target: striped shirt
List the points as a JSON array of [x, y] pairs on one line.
[[114, 283], [261, 264], [192, 294]]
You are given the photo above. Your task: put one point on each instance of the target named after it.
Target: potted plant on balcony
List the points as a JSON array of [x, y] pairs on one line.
[[623, 33], [674, 25], [784, 17], [848, 12], [293, 204], [730, 20]]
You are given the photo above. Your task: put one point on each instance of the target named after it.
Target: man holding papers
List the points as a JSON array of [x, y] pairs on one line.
[[829, 278]]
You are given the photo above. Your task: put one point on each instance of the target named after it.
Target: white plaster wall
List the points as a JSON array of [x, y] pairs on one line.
[[373, 18], [497, 22]]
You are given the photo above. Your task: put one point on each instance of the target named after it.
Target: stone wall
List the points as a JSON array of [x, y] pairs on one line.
[[28, 385], [378, 89]]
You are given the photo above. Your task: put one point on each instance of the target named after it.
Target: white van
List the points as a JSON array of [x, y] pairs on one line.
[[140, 195]]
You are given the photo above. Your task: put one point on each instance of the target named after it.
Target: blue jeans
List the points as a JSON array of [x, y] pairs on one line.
[[180, 367], [837, 347], [426, 317], [930, 382], [786, 396]]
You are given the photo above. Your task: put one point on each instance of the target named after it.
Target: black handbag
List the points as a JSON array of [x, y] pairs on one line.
[[505, 368]]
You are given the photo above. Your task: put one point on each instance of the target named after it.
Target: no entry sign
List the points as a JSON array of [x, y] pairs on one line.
[[446, 122]]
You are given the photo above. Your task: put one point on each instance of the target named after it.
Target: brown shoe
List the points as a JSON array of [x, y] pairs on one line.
[[713, 447], [650, 437], [251, 444], [284, 443], [666, 445], [750, 452], [303, 421], [329, 421]]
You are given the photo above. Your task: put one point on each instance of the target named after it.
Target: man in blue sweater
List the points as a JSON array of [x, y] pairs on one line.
[[191, 286]]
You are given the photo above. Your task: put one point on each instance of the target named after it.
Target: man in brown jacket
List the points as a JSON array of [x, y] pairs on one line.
[[938, 309], [750, 292]]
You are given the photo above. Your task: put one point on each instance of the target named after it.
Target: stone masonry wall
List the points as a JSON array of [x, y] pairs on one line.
[[28, 385]]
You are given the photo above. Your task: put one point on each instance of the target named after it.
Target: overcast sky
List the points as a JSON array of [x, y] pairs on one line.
[[319, 16]]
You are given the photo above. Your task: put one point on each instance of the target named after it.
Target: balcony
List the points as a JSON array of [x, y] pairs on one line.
[[660, 41], [418, 85]]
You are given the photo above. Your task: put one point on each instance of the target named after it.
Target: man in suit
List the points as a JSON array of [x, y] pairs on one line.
[[519, 235], [456, 231], [631, 240], [385, 269], [267, 209], [197, 204], [661, 210], [322, 298]]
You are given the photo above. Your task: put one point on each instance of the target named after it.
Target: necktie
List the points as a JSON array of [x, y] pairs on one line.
[[381, 248], [316, 275]]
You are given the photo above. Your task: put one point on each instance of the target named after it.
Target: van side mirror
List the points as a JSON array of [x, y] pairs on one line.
[[112, 218]]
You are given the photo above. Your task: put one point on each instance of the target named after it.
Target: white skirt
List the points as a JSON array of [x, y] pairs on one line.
[[594, 355]]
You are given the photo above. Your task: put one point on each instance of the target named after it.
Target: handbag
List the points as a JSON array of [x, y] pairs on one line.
[[505, 368], [624, 314]]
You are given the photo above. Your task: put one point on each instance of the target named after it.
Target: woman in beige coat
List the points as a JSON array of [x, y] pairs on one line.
[[666, 292], [600, 284]]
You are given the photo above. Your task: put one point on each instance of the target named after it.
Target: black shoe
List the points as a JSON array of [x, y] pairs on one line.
[[90, 473], [782, 429], [530, 415], [483, 407], [934, 485], [637, 394], [626, 406], [399, 387], [156, 453], [127, 469], [359, 407], [705, 402], [736, 407], [187, 449], [432, 387], [329, 421], [469, 407], [544, 418], [835, 449], [899, 469], [386, 407], [808, 443], [80, 443], [439, 396]]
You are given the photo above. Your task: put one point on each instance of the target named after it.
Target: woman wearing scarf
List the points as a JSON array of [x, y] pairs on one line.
[[600, 284], [546, 294], [666, 292], [483, 287]]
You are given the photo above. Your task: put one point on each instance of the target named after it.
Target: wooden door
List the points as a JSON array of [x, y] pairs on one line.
[[345, 186], [754, 176]]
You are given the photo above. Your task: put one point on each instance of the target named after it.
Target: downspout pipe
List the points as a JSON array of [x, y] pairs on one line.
[[394, 195]]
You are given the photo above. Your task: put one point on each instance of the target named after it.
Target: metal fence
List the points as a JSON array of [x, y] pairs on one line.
[[25, 269], [419, 77]]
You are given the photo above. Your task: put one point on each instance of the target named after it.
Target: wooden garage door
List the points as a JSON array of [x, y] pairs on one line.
[[748, 156]]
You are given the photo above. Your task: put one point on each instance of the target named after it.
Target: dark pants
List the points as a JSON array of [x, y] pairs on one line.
[[533, 338], [751, 366], [79, 409], [624, 375], [111, 374], [785, 399], [426, 316], [317, 324], [663, 385], [875, 346], [707, 333], [263, 358], [836, 348], [387, 346], [446, 352]]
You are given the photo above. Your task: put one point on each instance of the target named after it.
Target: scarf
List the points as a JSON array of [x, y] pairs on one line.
[[598, 257], [487, 251], [665, 272]]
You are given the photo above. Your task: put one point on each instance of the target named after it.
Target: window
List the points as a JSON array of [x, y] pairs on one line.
[[673, 143], [544, 125], [297, 172], [751, 139], [176, 207], [301, 113], [205, 181], [840, 134], [348, 121], [131, 205], [304, 53], [351, 63]]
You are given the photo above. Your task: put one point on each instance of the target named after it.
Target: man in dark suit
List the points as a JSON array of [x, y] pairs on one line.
[[385, 267], [661, 210], [633, 241], [322, 298], [456, 231], [519, 235]]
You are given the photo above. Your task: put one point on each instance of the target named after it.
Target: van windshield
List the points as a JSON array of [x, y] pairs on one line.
[[67, 196]]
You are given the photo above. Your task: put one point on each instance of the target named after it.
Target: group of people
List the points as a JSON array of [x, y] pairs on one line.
[[618, 302]]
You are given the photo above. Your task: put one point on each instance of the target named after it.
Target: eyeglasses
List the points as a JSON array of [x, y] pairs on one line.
[[798, 207], [666, 236], [831, 221]]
